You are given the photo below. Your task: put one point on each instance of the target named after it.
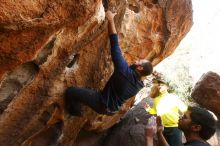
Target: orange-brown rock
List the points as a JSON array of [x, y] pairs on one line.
[[207, 92], [49, 45]]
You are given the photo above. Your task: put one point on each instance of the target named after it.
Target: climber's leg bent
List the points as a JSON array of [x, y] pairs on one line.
[[72, 105], [74, 96]]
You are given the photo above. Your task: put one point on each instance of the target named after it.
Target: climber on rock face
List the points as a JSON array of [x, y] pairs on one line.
[[124, 83]]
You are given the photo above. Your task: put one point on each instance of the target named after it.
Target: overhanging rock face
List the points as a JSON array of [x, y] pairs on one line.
[[47, 46]]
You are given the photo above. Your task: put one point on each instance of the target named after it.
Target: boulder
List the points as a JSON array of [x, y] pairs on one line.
[[206, 92], [47, 46]]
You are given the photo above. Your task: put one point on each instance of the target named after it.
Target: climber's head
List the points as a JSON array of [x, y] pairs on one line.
[[143, 67]]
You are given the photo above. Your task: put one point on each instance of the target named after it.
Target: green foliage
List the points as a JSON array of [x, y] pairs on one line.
[[180, 84]]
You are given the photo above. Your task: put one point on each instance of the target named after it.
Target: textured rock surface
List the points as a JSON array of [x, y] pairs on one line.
[[207, 92], [48, 45], [130, 130]]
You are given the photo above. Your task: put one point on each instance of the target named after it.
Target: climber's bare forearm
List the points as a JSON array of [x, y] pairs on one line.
[[111, 23], [111, 27]]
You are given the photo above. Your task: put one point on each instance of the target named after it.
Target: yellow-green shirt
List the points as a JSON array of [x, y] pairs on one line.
[[167, 106]]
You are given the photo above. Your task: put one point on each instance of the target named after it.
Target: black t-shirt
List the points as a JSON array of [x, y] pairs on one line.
[[196, 143]]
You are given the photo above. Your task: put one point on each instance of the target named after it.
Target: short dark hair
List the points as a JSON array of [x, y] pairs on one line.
[[205, 119], [147, 68]]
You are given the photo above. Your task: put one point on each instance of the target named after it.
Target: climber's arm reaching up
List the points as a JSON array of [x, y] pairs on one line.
[[111, 24], [117, 58]]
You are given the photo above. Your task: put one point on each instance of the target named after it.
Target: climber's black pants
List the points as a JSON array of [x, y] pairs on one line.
[[91, 98]]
